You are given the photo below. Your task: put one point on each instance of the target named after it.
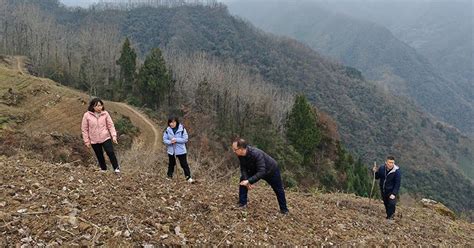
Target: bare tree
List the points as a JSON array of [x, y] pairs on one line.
[[3, 24], [99, 44], [237, 88]]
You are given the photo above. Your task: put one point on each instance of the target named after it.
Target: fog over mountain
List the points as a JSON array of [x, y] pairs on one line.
[[441, 31], [373, 49], [80, 3]]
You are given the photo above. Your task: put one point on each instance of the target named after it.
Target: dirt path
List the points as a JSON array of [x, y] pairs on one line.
[[19, 63], [149, 136], [54, 118]]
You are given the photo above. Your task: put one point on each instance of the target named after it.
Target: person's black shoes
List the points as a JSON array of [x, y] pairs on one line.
[[284, 212], [241, 206], [391, 219]]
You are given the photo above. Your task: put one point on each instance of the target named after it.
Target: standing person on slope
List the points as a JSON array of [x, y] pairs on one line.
[[390, 178], [175, 138], [98, 131]]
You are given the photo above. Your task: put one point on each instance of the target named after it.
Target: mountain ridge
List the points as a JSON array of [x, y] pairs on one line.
[[369, 47]]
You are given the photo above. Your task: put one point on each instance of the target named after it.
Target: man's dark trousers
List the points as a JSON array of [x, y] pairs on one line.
[[275, 182], [390, 205]]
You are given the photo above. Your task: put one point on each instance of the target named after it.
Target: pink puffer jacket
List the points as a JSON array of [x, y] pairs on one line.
[[97, 129]]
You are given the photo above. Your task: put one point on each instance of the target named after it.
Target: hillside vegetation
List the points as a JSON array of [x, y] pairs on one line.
[[377, 53], [441, 31], [371, 123], [63, 199]]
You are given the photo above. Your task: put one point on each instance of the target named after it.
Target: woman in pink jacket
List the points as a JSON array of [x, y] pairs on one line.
[[98, 131]]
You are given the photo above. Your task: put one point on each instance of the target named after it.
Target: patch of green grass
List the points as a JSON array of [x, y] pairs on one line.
[[4, 119], [125, 126], [4, 122], [24, 83]]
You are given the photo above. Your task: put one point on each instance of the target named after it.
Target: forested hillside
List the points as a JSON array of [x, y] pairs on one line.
[[441, 31], [374, 50], [371, 123]]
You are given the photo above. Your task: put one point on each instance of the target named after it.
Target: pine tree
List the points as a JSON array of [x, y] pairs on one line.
[[154, 80], [363, 179], [302, 130], [350, 179], [204, 97], [128, 66], [341, 162], [86, 75]]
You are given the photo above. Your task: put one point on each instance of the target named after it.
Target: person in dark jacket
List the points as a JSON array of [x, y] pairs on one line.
[[390, 178], [255, 165]]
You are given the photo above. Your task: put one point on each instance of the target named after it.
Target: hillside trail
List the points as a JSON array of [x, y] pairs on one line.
[[20, 62], [146, 153], [58, 108], [149, 138], [55, 108]]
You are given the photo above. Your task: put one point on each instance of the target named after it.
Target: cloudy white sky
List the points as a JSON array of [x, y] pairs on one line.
[[82, 3], [85, 3]]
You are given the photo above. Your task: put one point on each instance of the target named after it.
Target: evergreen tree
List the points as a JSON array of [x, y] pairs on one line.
[[154, 80], [350, 179], [355, 175], [128, 66], [302, 130], [204, 97], [86, 76], [341, 162], [363, 183]]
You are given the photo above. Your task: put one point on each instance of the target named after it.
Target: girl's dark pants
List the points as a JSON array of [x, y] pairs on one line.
[[182, 161], [109, 149]]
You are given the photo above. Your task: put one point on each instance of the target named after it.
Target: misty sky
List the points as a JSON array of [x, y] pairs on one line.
[[85, 3], [82, 3]]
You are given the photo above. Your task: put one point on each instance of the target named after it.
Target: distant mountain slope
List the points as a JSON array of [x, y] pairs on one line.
[[370, 48], [435, 157], [81, 3], [441, 31]]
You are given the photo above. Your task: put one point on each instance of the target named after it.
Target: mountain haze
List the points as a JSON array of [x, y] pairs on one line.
[[371, 48], [441, 31], [80, 3]]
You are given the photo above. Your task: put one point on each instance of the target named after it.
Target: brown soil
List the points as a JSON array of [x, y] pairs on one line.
[[66, 205]]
